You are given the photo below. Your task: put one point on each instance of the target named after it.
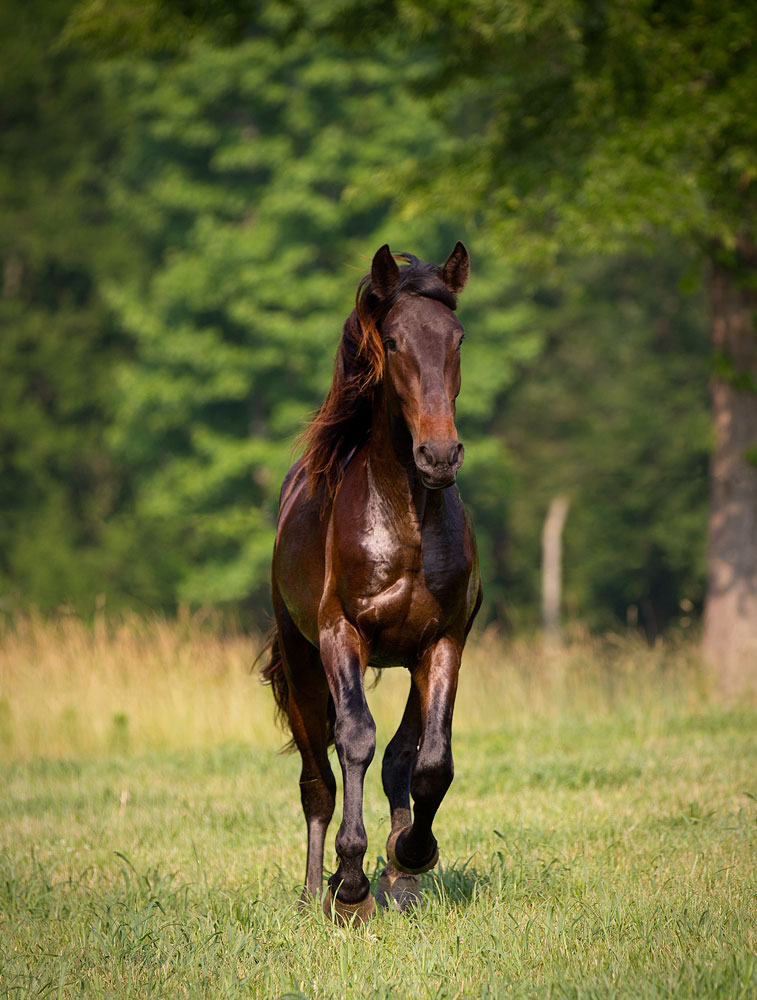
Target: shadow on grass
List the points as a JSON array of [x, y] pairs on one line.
[[456, 884]]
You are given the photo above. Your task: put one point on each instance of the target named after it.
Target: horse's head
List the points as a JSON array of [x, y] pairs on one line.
[[421, 340]]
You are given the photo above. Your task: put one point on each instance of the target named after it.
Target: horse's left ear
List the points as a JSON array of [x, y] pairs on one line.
[[455, 272]]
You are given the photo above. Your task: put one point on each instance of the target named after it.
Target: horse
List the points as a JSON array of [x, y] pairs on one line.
[[375, 564]]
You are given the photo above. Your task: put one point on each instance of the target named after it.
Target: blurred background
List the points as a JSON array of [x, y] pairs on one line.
[[190, 193]]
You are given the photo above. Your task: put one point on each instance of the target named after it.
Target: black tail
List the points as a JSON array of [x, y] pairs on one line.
[[273, 673]]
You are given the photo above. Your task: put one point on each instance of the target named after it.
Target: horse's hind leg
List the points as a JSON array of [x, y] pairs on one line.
[[398, 888], [308, 719], [413, 849], [317, 784]]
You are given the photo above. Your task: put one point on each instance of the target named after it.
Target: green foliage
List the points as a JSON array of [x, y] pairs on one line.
[[581, 127], [58, 482], [183, 229], [578, 131], [723, 368], [615, 416], [156, 26], [252, 176]]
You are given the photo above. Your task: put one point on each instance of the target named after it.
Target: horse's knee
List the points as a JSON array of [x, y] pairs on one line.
[[355, 738], [432, 774]]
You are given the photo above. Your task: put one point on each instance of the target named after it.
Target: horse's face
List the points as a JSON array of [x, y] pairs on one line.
[[422, 340]]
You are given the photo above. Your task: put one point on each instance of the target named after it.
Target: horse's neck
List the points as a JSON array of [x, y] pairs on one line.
[[393, 475]]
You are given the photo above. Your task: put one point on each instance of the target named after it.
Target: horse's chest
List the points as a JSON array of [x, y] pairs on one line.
[[411, 589]]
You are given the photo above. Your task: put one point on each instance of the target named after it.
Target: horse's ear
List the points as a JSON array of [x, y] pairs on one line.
[[384, 272], [455, 272]]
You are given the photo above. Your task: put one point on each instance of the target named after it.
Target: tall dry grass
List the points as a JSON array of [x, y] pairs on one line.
[[128, 684], [124, 683]]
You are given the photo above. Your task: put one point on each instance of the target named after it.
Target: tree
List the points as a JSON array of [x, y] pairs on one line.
[[223, 186], [615, 414], [591, 128], [58, 483], [255, 176]]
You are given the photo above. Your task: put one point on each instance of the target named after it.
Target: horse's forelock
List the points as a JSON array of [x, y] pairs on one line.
[[425, 280]]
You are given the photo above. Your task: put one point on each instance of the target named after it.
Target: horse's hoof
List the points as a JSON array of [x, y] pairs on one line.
[[348, 913], [391, 850], [397, 891]]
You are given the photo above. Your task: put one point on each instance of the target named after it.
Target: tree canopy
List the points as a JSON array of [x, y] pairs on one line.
[[582, 126]]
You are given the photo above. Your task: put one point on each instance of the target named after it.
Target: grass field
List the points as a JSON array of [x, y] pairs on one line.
[[598, 841]]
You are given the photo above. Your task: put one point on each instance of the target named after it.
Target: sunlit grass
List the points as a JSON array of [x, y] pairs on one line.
[[599, 839]]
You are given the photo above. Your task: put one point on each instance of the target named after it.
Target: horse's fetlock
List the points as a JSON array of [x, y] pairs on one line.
[[351, 844]]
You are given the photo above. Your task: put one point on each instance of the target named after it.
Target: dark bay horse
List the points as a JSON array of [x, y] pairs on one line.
[[375, 564]]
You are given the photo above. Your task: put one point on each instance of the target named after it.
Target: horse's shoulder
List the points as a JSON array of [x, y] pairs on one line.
[[300, 509], [291, 479]]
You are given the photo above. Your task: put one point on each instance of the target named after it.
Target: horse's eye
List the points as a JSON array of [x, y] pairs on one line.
[[390, 344], [460, 344]]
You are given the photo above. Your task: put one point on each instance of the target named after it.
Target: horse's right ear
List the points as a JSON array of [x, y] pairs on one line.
[[384, 272]]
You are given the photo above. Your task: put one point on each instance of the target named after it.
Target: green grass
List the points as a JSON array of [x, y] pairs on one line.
[[598, 841]]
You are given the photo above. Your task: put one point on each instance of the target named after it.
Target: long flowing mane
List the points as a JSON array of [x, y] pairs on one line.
[[343, 421]]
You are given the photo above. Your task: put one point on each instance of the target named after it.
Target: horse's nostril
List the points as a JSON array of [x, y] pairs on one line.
[[424, 456], [447, 455]]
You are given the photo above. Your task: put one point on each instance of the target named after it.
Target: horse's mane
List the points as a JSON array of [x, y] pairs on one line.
[[343, 421]]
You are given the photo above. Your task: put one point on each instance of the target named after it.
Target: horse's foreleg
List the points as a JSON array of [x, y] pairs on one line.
[[344, 658], [413, 849], [399, 758], [397, 888]]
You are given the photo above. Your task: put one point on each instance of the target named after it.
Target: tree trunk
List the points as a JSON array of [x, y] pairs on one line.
[[730, 620], [551, 569]]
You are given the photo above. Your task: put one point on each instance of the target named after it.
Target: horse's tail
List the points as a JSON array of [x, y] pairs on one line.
[[272, 672]]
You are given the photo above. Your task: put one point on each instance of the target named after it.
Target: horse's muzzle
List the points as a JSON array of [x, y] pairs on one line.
[[438, 462]]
